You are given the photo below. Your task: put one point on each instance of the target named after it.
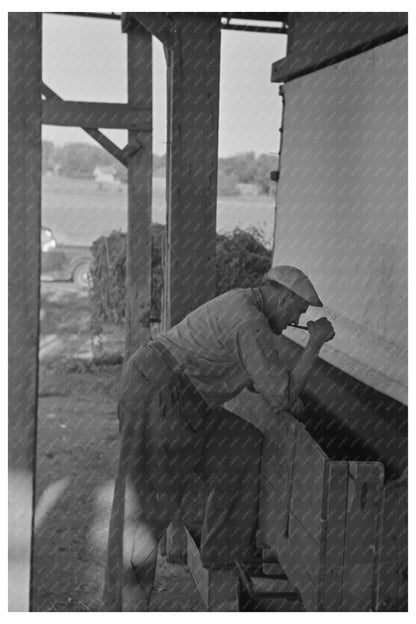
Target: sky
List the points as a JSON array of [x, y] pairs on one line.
[[86, 59]]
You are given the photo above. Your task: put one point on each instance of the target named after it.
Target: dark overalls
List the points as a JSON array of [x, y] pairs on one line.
[[167, 431]]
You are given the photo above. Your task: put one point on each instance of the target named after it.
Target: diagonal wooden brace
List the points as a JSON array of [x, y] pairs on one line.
[[131, 148], [159, 25], [94, 133]]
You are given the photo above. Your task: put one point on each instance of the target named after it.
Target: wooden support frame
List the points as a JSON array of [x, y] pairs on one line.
[[193, 104], [95, 114], [139, 215], [94, 133], [136, 116], [159, 25], [25, 77], [192, 161]]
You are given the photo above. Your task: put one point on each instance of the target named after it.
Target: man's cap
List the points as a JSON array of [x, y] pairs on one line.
[[296, 281]]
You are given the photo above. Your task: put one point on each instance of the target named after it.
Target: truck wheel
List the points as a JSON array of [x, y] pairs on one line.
[[81, 275]]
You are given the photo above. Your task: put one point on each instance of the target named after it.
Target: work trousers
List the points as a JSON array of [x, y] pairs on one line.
[[168, 431]]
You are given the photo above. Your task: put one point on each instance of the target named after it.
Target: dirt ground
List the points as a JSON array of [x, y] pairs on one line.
[[77, 444]]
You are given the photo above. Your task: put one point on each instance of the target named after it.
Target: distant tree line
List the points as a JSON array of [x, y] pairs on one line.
[[246, 168], [79, 160]]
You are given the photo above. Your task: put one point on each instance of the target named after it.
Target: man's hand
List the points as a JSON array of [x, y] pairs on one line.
[[320, 331]]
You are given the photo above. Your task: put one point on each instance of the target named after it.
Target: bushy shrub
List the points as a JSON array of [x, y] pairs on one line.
[[242, 259], [108, 277]]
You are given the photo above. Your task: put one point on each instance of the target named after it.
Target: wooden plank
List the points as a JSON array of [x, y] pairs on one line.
[[392, 574], [99, 137], [218, 588], [273, 485], [308, 483], [284, 517], [365, 484], [193, 101], [25, 77], [332, 537], [298, 540], [300, 556], [176, 543], [334, 39], [96, 115], [139, 213]]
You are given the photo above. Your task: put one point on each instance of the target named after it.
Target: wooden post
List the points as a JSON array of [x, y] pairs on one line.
[[193, 108], [25, 79], [138, 265], [193, 102]]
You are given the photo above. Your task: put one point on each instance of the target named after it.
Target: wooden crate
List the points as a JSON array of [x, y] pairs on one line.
[[322, 518], [338, 529], [333, 497]]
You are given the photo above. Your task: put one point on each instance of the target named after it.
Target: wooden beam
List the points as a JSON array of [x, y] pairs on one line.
[[95, 115], [158, 25], [25, 76], [94, 133], [193, 98], [317, 40], [193, 102], [108, 145], [138, 267]]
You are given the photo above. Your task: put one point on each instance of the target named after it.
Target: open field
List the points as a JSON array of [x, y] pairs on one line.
[[79, 211]]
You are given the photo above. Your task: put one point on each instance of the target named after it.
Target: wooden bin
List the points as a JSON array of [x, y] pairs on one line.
[[332, 523], [334, 493]]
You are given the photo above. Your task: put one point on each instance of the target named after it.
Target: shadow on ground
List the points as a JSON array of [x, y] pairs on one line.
[[77, 445]]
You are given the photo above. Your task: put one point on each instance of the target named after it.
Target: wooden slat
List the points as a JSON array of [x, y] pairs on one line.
[[218, 588], [318, 40], [308, 483], [176, 541], [273, 512], [289, 471], [193, 100], [332, 537], [139, 214], [298, 543], [25, 77], [299, 556], [95, 115], [365, 483], [392, 575]]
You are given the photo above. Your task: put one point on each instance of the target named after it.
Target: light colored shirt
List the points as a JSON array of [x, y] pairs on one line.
[[226, 345]]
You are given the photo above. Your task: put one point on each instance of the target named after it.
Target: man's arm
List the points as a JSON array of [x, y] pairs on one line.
[[320, 331], [252, 346]]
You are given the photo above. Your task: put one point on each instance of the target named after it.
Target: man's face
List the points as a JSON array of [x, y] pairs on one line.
[[286, 312]]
